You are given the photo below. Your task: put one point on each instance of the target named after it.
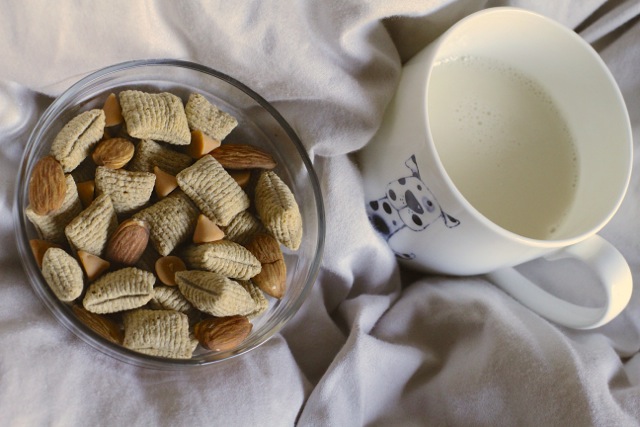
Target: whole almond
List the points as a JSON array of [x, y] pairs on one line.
[[113, 153], [222, 333], [102, 325], [272, 278], [47, 186], [128, 242], [242, 156]]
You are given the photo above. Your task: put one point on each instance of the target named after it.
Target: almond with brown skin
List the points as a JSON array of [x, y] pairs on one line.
[[243, 156], [100, 324], [128, 242], [47, 186], [113, 153], [272, 279], [222, 333]]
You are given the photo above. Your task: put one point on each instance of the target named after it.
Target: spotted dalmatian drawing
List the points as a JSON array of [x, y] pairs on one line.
[[408, 203]]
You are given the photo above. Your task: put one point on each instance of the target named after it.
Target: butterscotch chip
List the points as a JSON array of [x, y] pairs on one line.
[[106, 328], [165, 183], [74, 142], [214, 294], [201, 144], [223, 257], [243, 227], [166, 268], [112, 111], [86, 192], [113, 153], [39, 247], [92, 265], [278, 209], [213, 190], [90, 230], [150, 153], [128, 190], [158, 116], [241, 176], [171, 220], [262, 304], [203, 115], [51, 226], [63, 274], [47, 186], [163, 333], [119, 290], [170, 298], [206, 231]]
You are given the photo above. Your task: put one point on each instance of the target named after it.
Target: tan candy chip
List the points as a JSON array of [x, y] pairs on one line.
[[278, 209], [158, 116], [204, 116], [150, 153], [120, 290], [215, 294], [213, 190], [163, 333], [90, 230], [51, 226], [171, 221], [223, 257], [92, 265], [63, 274], [129, 190], [74, 142]]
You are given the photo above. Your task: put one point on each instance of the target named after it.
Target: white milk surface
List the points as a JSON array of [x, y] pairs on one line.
[[503, 143]]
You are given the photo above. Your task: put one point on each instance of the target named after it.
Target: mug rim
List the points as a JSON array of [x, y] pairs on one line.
[[459, 197]]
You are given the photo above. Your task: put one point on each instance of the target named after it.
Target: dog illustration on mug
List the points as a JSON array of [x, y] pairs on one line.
[[408, 203]]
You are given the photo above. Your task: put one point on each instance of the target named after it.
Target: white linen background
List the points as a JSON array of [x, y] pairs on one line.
[[373, 344]]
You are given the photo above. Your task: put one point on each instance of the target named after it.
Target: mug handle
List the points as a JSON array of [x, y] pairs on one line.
[[605, 260]]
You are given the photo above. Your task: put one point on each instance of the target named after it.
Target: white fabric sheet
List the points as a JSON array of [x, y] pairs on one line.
[[373, 344]]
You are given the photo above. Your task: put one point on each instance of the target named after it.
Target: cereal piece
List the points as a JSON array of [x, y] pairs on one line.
[[206, 231], [223, 257], [129, 191], [39, 248], [150, 153], [243, 227], [103, 326], [74, 142], [51, 227], [213, 190], [47, 186], [163, 333], [165, 183], [171, 221], [170, 298], [201, 144], [158, 116], [262, 304], [90, 230], [166, 268], [204, 116], [92, 265], [112, 111], [278, 209], [63, 274], [215, 294], [113, 153], [120, 290]]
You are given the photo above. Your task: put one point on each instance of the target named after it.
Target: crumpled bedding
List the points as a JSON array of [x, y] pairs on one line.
[[374, 344]]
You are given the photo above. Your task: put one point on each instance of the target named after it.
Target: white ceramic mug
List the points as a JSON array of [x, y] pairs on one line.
[[507, 140]]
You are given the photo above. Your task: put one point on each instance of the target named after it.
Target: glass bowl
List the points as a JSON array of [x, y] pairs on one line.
[[259, 124]]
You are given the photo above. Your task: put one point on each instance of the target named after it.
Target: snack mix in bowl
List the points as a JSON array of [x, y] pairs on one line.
[[168, 215]]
